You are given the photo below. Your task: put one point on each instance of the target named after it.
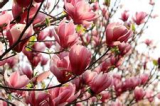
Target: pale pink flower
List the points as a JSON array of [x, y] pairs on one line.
[[125, 16], [88, 76], [151, 2], [14, 33], [139, 17], [63, 95], [16, 80], [60, 67], [80, 11], [6, 18], [80, 58], [139, 93], [39, 98], [124, 48], [100, 82], [26, 70], [2, 103], [66, 35], [116, 33]]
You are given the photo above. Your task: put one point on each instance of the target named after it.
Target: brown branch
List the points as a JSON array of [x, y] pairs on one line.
[[3, 3]]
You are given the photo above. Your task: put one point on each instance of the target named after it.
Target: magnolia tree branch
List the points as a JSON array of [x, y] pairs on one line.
[[3, 2]]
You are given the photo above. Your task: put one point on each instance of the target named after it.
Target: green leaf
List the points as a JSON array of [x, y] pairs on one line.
[[47, 21], [30, 85], [31, 42], [155, 62], [133, 28], [80, 29]]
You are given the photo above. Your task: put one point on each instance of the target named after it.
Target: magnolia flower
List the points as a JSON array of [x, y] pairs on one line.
[[16, 80], [60, 67], [80, 11], [139, 17], [124, 16], [139, 93], [124, 48], [88, 76], [80, 58], [100, 82], [26, 70], [63, 95], [39, 98], [14, 35], [3, 103], [5, 17], [116, 33], [16, 10], [66, 34]]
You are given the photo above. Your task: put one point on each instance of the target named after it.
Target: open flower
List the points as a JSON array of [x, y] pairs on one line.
[[62, 95], [117, 33], [14, 34], [139, 17], [66, 34], [16, 80], [60, 67], [80, 11]]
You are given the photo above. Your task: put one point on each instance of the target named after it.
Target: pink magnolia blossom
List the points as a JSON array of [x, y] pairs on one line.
[[100, 82], [108, 64], [151, 2], [12, 61], [1, 51], [39, 98], [32, 12], [124, 48], [78, 82], [131, 83], [139, 17], [33, 58], [44, 60], [144, 78], [16, 80], [39, 18], [148, 42], [80, 11], [105, 95], [15, 32], [5, 17], [88, 76], [125, 16], [149, 95], [80, 58], [66, 34], [47, 32], [60, 67], [2, 103], [16, 10], [139, 93], [26, 70], [116, 33], [63, 95]]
